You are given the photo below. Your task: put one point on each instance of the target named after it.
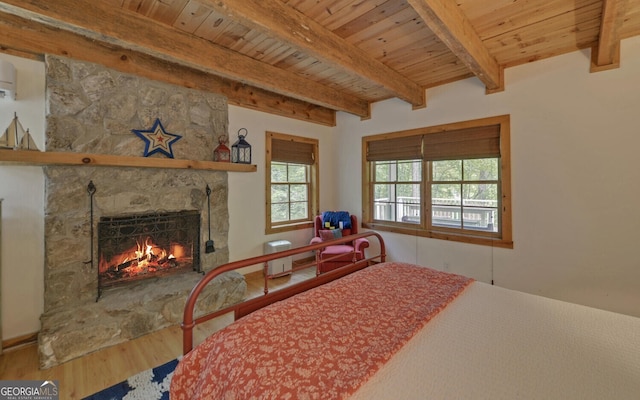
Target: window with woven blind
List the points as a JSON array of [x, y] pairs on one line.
[[474, 142], [395, 148], [291, 182], [448, 181], [293, 151]]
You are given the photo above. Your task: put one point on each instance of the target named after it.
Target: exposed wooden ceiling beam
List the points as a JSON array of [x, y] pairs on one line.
[[101, 22], [452, 27], [289, 25], [606, 54], [32, 39]]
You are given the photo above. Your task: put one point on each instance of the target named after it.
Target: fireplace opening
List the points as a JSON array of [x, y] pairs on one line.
[[136, 247]]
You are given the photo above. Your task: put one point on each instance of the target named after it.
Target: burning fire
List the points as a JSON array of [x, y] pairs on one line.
[[147, 253], [141, 259]]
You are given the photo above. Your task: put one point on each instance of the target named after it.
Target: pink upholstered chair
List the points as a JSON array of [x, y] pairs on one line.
[[348, 250]]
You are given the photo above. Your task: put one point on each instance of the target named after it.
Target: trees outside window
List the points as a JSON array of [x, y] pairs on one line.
[[292, 182], [450, 182], [289, 192]]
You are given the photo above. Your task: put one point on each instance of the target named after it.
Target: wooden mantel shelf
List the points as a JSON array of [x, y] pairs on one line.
[[105, 160]]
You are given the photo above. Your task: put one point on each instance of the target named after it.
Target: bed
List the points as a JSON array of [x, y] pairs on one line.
[[390, 330]]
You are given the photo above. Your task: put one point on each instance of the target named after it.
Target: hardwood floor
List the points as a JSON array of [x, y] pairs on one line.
[[86, 375]]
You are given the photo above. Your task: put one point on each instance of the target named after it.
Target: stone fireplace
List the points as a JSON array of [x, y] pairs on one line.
[[91, 109]]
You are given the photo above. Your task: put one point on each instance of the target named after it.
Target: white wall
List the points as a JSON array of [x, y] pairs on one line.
[[574, 183], [575, 138], [22, 188], [247, 196]]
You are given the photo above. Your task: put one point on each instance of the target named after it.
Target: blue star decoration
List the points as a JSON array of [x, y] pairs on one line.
[[157, 140]]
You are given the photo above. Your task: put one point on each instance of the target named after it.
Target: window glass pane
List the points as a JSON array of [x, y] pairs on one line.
[[382, 192], [383, 170], [279, 212], [278, 172], [410, 219], [446, 194], [448, 170], [446, 205], [481, 207], [481, 169], [384, 211], [299, 210], [482, 195], [408, 203], [297, 173], [408, 190], [480, 219], [495, 225], [446, 215], [279, 193], [298, 192], [409, 171]]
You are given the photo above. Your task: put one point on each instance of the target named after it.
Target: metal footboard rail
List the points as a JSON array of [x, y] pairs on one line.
[[248, 306]]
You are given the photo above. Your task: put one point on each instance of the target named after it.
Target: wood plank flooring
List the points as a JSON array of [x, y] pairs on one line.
[[86, 375]]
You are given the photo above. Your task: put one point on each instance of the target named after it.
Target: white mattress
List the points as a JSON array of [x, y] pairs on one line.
[[495, 343]]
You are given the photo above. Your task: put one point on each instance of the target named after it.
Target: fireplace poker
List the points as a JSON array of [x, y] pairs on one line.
[[209, 248], [91, 189]]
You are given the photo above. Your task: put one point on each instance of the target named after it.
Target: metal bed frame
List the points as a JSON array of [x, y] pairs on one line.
[[250, 305]]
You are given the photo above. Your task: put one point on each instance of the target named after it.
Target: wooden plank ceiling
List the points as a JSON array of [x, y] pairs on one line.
[[307, 59]]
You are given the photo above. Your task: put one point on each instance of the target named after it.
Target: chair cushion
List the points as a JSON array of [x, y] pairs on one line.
[[330, 234], [338, 249]]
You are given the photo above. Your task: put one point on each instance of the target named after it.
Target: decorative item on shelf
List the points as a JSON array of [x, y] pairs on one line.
[[241, 150], [222, 152], [15, 137], [157, 140]]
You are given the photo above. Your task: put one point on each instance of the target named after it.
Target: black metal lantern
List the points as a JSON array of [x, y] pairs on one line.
[[241, 150]]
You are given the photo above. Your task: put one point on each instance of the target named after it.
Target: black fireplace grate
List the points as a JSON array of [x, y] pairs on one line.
[[162, 233]]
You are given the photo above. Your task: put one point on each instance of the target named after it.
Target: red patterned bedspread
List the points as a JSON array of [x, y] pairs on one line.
[[321, 344]]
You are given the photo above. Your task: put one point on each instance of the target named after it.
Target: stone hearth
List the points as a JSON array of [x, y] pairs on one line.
[[93, 109], [126, 313]]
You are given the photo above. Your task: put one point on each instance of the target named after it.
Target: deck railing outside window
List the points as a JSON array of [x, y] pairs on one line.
[[476, 214]]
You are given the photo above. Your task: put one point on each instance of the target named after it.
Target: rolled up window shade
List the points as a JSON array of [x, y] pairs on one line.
[[400, 148], [292, 152], [476, 142]]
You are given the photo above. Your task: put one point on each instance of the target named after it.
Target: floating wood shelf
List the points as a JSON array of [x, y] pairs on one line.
[[105, 160]]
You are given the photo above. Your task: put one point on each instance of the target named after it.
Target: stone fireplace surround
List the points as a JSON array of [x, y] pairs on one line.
[[92, 109]]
